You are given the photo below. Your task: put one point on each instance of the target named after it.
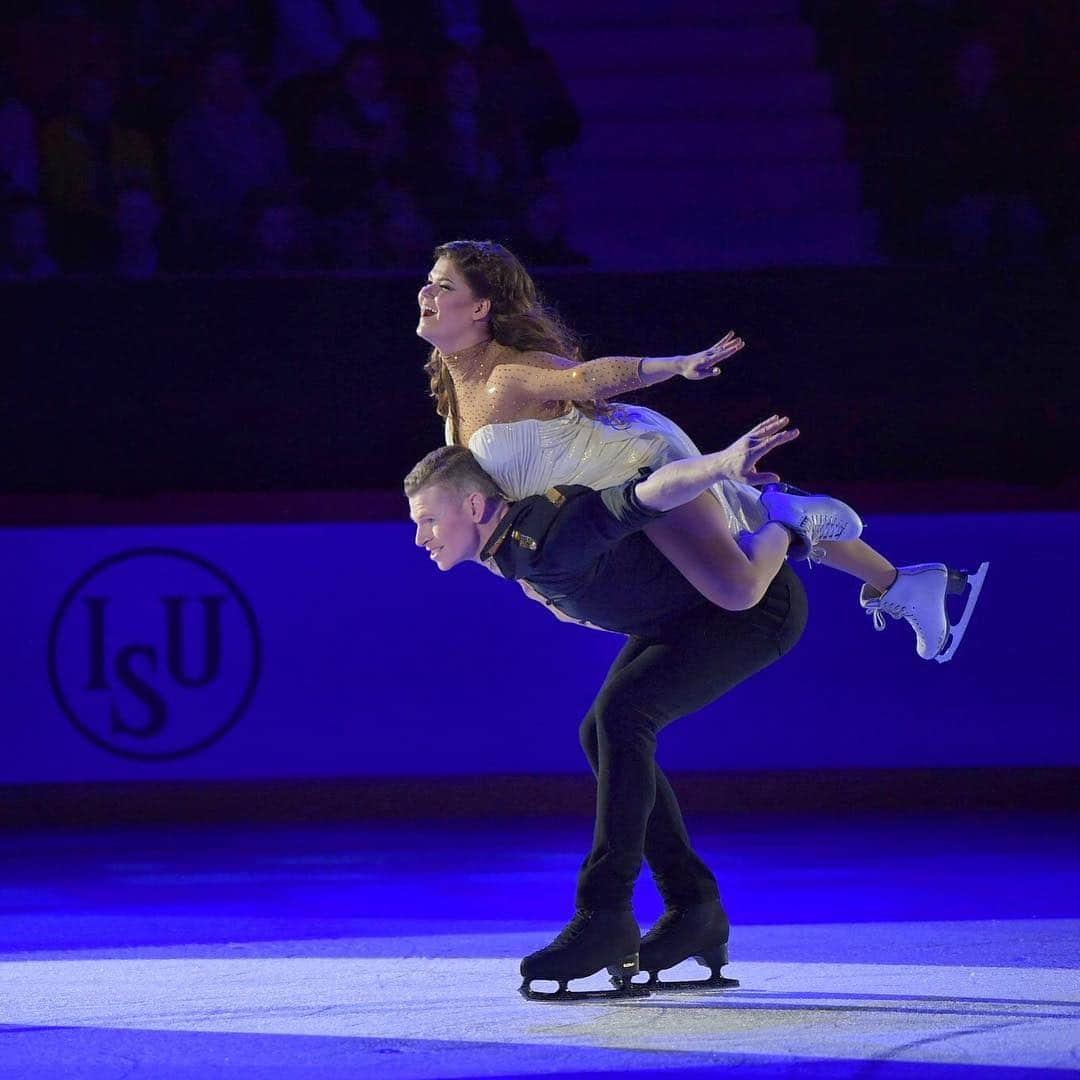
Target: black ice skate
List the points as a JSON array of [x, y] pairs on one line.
[[699, 931], [591, 941]]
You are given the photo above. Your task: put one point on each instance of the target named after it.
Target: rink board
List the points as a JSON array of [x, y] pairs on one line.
[[216, 652]]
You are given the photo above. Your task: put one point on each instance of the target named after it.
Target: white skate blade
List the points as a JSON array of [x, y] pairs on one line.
[[957, 632]]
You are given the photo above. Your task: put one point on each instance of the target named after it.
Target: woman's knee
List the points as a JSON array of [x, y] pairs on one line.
[[751, 592], [733, 592]]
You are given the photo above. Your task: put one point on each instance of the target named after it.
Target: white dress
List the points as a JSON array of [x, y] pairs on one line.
[[527, 457]]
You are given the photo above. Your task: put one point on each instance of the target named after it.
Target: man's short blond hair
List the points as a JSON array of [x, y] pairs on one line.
[[453, 467]]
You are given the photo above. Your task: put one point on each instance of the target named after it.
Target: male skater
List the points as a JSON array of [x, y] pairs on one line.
[[583, 552]]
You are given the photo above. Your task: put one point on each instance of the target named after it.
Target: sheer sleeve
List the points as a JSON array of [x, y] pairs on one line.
[[595, 380]]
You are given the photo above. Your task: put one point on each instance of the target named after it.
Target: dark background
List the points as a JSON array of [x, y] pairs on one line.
[[940, 376]]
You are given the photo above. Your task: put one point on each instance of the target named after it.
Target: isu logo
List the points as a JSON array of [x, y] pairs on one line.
[[154, 654]]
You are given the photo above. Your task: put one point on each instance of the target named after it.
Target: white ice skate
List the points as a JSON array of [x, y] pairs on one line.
[[813, 518], [918, 595]]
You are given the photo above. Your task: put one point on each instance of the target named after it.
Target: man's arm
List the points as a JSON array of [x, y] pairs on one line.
[[680, 481]]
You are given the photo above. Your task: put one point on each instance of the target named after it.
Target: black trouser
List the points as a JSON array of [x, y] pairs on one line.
[[693, 661]]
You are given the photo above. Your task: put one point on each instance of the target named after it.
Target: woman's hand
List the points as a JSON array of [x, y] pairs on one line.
[[706, 364]]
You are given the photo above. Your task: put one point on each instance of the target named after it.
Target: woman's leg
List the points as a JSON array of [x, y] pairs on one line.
[[860, 560], [732, 574]]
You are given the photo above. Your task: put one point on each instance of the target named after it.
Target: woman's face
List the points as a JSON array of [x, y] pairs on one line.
[[449, 310]]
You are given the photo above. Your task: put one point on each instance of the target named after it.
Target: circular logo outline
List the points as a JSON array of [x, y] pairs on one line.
[[125, 556]]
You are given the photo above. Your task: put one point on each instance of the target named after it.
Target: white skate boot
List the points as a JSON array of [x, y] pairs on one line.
[[918, 595], [813, 518]]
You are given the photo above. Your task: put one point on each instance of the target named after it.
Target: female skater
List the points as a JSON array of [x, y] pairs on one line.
[[505, 376]]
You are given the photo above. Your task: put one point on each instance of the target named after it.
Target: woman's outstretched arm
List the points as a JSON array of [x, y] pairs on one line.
[[599, 380]]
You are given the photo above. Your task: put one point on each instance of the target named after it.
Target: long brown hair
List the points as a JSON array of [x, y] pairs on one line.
[[519, 318]]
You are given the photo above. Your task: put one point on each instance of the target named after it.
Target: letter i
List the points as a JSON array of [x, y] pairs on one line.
[[96, 610]]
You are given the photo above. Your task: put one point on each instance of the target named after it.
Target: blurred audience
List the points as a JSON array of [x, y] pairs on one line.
[[280, 135], [87, 154], [46, 46], [169, 39], [221, 151], [961, 112], [25, 255], [273, 136], [403, 236], [347, 241], [473, 155], [280, 237], [18, 144], [542, 240], [357, 142], [312, 35], [136, 226]]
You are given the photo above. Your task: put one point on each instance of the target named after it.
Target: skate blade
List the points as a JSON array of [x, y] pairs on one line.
[[563, 996], [717, 982], [956, 635]]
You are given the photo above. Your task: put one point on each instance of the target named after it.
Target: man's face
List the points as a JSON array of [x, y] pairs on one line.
[[447, 524]]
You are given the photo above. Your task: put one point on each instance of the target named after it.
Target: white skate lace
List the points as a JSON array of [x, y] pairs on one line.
[[897, 611], [820, 528]]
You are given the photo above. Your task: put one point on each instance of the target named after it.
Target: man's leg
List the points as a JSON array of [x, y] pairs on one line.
[[680, 874], [650, 685]]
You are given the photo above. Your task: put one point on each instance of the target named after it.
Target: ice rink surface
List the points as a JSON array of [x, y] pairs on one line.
[[866, 946]]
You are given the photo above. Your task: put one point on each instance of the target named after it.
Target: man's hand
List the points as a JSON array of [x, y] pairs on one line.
[[706, 364], [739, 460]]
